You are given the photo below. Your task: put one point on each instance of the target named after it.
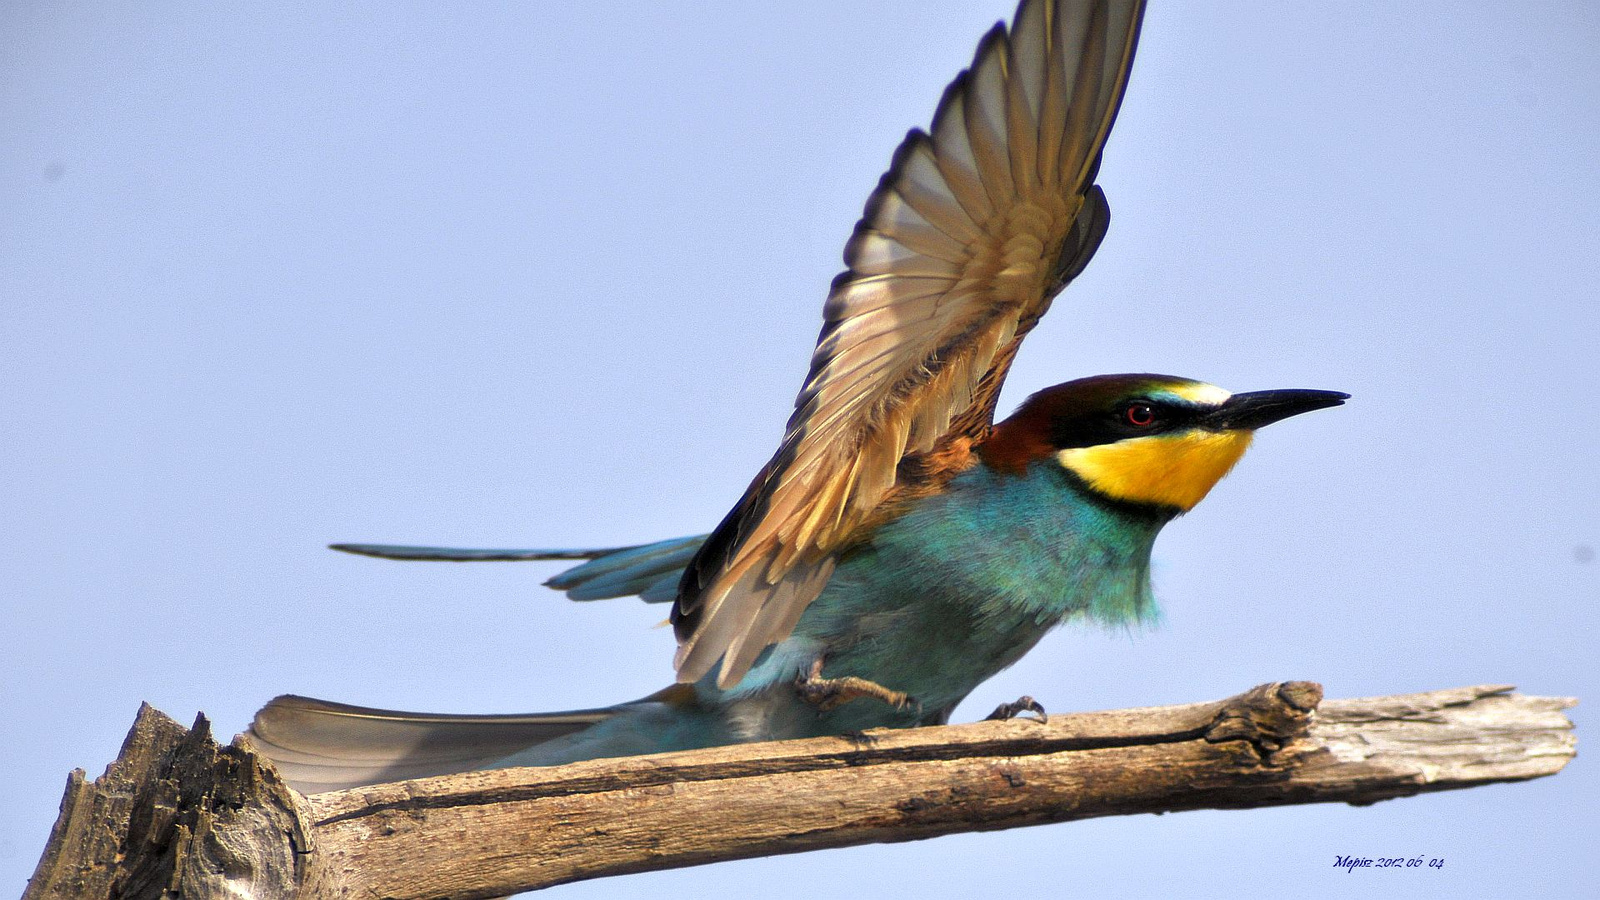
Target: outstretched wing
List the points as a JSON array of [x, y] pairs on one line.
[[978, 223]]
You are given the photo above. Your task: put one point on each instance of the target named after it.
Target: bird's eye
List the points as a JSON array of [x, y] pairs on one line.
[[1140, 415]]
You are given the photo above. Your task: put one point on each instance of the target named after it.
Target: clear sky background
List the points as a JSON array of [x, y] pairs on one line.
[[549, 274]]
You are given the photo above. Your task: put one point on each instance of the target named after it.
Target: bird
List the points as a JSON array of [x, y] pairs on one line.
[[901, 546]]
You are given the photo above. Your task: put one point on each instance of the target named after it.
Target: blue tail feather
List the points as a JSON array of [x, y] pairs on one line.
[[461, 554], [650, 571]]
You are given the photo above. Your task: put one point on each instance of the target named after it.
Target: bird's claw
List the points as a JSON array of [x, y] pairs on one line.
[[828, 693], [1016, 708], [861, 739]]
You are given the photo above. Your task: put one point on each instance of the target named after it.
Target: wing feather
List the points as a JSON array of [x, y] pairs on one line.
[[873, 293], [985, 118], [944, 187], [976, 226]]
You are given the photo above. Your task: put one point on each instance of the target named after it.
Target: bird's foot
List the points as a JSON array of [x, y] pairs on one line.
[[861, 739], [1016, 708], [829, 693]]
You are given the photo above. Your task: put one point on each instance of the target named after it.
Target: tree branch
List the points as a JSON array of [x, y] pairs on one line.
[[178, 815]]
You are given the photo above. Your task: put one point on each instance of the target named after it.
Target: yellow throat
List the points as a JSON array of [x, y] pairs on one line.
[[1175, 470]]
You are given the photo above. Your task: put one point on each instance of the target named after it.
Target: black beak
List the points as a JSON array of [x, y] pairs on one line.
[[1258, 408]]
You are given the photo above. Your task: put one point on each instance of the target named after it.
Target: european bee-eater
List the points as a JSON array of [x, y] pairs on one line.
[[900, 547]]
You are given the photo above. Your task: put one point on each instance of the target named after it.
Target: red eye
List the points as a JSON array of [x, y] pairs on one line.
[[1140, 415]]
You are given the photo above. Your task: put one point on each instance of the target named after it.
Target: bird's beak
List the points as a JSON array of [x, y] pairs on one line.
[[1258, 408]]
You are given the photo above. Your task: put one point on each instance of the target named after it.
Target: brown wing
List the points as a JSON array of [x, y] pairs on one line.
[[978, 223]]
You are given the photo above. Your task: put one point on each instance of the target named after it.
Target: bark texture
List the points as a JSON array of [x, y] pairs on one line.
[[178, 816]]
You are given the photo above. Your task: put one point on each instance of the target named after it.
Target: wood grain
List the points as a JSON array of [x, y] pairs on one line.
[[177, 815]]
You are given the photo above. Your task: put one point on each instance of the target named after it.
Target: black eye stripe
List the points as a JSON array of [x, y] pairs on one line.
[[1120, 422]]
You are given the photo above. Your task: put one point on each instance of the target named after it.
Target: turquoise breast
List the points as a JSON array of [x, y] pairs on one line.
[[968, 580]]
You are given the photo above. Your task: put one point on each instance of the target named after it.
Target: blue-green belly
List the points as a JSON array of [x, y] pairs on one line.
[[961, 587]]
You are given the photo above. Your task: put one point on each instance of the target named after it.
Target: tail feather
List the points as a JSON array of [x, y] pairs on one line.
[[664, 589], [320, 746], [464, 554], [650, 571], [630, 571]]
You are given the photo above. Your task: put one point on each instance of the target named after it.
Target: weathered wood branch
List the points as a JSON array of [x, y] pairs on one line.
[[177, 815]]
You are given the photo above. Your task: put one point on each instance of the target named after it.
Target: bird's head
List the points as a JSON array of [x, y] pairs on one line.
[[1149, 440]]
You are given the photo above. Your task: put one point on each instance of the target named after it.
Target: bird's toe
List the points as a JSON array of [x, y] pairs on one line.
[[1016, 708]]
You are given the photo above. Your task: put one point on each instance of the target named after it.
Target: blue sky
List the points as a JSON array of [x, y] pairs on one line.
[[549, 274]]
